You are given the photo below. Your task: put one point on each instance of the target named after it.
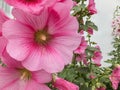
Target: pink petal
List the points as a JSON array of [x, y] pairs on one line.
[[3, 43], [20, 38], [3, 18], [16, 85], [47, 59], [32, 85], [38, 22], [41, 76], [7, 77], [58, 14], [69, 3], [9, 61], [66, 39]]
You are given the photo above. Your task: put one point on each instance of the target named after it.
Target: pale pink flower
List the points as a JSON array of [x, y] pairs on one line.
[[83, 45], [44, 41], [97, 56], [91, 7], [62, 84], [16, 77], [115, 77], [3, 41], [34, 6]]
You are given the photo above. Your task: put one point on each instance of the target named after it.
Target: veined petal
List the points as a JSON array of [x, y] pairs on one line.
[[37, 22], [45, 58], [7, 77], [20, 38]]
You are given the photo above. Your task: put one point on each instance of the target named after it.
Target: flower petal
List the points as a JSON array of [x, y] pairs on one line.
[[3, 43], [32, 85], [9, 61], [3, 18], [47, 59], [42, 76], [20, 38], [37, 22], [7, 77]]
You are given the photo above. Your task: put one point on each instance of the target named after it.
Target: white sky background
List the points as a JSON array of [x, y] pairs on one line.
[[103, 20]]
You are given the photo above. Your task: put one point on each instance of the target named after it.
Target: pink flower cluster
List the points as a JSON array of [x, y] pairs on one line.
[[81, 53], [116, 26], [39, 41], [115, 77]]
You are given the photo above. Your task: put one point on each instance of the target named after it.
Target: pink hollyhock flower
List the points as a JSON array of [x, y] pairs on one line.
[[44, 41], [16, 77], [82, 58], [101, 88], [91, 7], [3, 41], [90, 31], [34, 6], [115, 77], [62, 84], [83, 45], [97, 56]]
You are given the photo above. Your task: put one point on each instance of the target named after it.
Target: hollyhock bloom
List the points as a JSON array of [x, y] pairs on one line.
[[16, 77], [45, 41], [91, 7], [82, 58], [83, 45], [3, 41], [62, 84], [34, 6], [101, 88], [90, 31], [115, 77], [97, 56]]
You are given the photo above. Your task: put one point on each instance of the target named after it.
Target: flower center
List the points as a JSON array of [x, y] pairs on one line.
[[42, 37], [25, 74]]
